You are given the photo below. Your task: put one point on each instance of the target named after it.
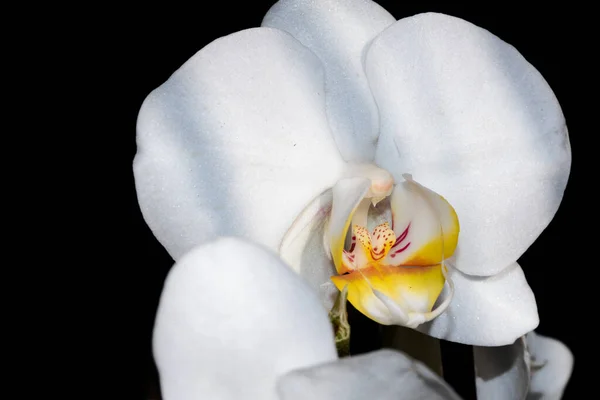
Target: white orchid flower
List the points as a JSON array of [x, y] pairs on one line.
[[290, 134]]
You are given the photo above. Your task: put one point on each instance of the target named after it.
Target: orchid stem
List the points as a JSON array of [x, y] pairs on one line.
[[339, 320]]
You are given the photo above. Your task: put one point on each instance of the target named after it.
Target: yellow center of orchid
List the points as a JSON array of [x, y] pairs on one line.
[[371, 248], [394, 275]]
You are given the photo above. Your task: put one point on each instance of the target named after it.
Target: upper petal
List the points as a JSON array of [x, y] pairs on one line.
[[236, 142], [492, 311], [381, 375], [551, 366], [502, 373], [232, 318], [472, 120], [338, 33]]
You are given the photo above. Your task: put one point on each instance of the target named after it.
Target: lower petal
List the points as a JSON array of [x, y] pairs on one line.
[[412, 289], [381, 375], [492, 311], [233, 318]]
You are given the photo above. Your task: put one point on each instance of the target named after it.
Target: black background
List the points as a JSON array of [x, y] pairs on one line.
[[138, 53]]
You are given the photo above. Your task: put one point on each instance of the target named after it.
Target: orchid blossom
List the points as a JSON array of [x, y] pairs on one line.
[[411, 162], [277, 134]]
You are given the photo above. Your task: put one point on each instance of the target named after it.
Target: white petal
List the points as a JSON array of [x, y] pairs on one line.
[[552, 365], [338, 33], [381, 375], [347, 195], [472, 120], [492, 311], [236, 142], [426, 226], [231, 319], [502, 373], [303, 248]]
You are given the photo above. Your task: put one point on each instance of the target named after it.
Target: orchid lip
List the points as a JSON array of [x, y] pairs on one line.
[[395, 275]]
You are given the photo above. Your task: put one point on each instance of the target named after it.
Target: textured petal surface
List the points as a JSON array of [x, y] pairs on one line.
[[303, 248], [472, 120], [551, 367], [338, 33], [236, 142], [381, 375], [502, 373], [492, 311], [232, 318]]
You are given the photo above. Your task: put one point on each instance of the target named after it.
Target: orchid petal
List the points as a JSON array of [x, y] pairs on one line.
[[303, 248], [492, 311], [389, 295], [233, 318], [425, 224], [551, 366], [347, 195], [465, 113], [502, 373], [381, 375], [338, 32], [236, 142]]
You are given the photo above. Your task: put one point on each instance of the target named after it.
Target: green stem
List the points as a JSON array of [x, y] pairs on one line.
[[341, 328]]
